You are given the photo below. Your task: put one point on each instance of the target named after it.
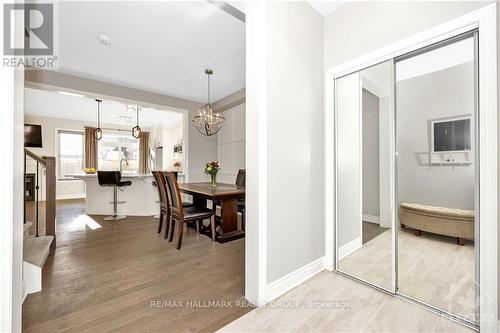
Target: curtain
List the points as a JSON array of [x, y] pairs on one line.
[[90, 148], [144, 152]]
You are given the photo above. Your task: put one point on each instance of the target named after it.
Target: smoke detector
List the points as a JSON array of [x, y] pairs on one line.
[[104, 39]]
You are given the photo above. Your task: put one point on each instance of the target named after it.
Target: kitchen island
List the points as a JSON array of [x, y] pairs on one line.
[[139, 199]]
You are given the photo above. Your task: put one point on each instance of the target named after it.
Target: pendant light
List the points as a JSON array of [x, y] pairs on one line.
[[98, 130], [136, 131], [207, 121]]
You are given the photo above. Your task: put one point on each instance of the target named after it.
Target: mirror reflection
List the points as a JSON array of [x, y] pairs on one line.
[[364, 137]]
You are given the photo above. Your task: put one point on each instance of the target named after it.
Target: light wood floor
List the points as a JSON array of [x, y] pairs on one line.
[[431, 268], [104, 276], [341, 305]]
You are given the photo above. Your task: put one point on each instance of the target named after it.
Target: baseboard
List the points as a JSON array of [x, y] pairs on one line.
[[371, 218], [350, 247], [292, 280], [70, 196]]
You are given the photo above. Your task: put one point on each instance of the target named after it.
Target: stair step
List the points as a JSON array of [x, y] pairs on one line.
[[26, 227], [37, 249]]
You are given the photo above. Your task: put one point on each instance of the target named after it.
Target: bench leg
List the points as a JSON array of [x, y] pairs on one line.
[[460, 241], [417, 232]]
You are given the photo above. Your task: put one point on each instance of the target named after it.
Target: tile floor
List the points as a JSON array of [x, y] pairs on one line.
[[431, 268], [366, 310]]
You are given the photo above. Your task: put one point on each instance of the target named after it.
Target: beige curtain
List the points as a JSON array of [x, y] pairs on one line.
[[144, 152], [90, 148]]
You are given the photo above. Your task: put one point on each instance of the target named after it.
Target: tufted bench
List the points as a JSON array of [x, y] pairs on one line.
[[452, 222]]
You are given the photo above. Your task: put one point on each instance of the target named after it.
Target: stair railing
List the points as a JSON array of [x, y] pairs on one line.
[[49, 164]]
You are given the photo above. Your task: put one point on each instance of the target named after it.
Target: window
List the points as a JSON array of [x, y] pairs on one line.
[[70, 153], [113, 147]]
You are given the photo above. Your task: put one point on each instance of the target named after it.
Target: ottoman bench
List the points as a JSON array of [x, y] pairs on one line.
[[451, 222]]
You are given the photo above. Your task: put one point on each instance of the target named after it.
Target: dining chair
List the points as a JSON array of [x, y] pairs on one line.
[[161, 186], [181, 214], [240, 178], [241, 181]]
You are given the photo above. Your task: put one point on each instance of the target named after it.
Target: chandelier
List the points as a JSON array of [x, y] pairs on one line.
[[207, 121]]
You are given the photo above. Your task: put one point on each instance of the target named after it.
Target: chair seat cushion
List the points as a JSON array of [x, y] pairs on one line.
[[195, 213]]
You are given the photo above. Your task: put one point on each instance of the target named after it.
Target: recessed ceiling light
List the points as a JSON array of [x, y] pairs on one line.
[[104, 39], [125, 119], [67, 93], [131, 108]]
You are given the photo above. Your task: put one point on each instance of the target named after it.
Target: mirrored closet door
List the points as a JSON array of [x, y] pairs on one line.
[[364, 232], [436, 175], [406, 169]]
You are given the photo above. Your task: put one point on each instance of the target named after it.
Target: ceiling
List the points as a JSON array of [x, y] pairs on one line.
[[158, 46], [56, 105], [326, 7]]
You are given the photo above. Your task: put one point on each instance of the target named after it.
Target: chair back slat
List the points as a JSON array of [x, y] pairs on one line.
[[175, 193], [240, 178], [161, 186]]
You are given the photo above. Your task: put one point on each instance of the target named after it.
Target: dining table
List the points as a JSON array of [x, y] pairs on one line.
[[228, 196]]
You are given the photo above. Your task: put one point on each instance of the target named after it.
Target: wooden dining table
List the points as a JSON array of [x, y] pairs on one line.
[[228, 195]]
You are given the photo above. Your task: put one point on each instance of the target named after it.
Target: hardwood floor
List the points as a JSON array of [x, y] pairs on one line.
[[124, 277]]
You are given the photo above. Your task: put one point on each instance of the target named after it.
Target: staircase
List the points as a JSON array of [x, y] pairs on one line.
[[37, 247]]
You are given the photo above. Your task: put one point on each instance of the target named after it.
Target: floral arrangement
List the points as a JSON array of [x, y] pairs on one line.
[[212, 168]]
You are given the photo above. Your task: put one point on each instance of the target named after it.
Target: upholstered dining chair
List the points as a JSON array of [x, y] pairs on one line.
[[180, 215]]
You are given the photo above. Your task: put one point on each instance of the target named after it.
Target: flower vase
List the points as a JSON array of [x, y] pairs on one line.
[[213, 180]]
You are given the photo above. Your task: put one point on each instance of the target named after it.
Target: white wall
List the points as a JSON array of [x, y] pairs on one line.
[[295, 226], [66, 189], [446, 93], [171, 137], [371, 170], [349, 152], [200, 148], [11, 192], [231, 144], [357, 28]]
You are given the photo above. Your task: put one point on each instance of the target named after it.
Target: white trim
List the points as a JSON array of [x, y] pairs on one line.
[[484, 19], [56, 149], [371, 218], [350, 247], [256, 151], [488, 169], [293, 279]]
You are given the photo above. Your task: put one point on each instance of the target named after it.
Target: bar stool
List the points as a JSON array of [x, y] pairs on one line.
[[113, 178]]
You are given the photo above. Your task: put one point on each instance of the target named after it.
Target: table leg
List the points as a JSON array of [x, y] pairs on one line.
[[229, 221]]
